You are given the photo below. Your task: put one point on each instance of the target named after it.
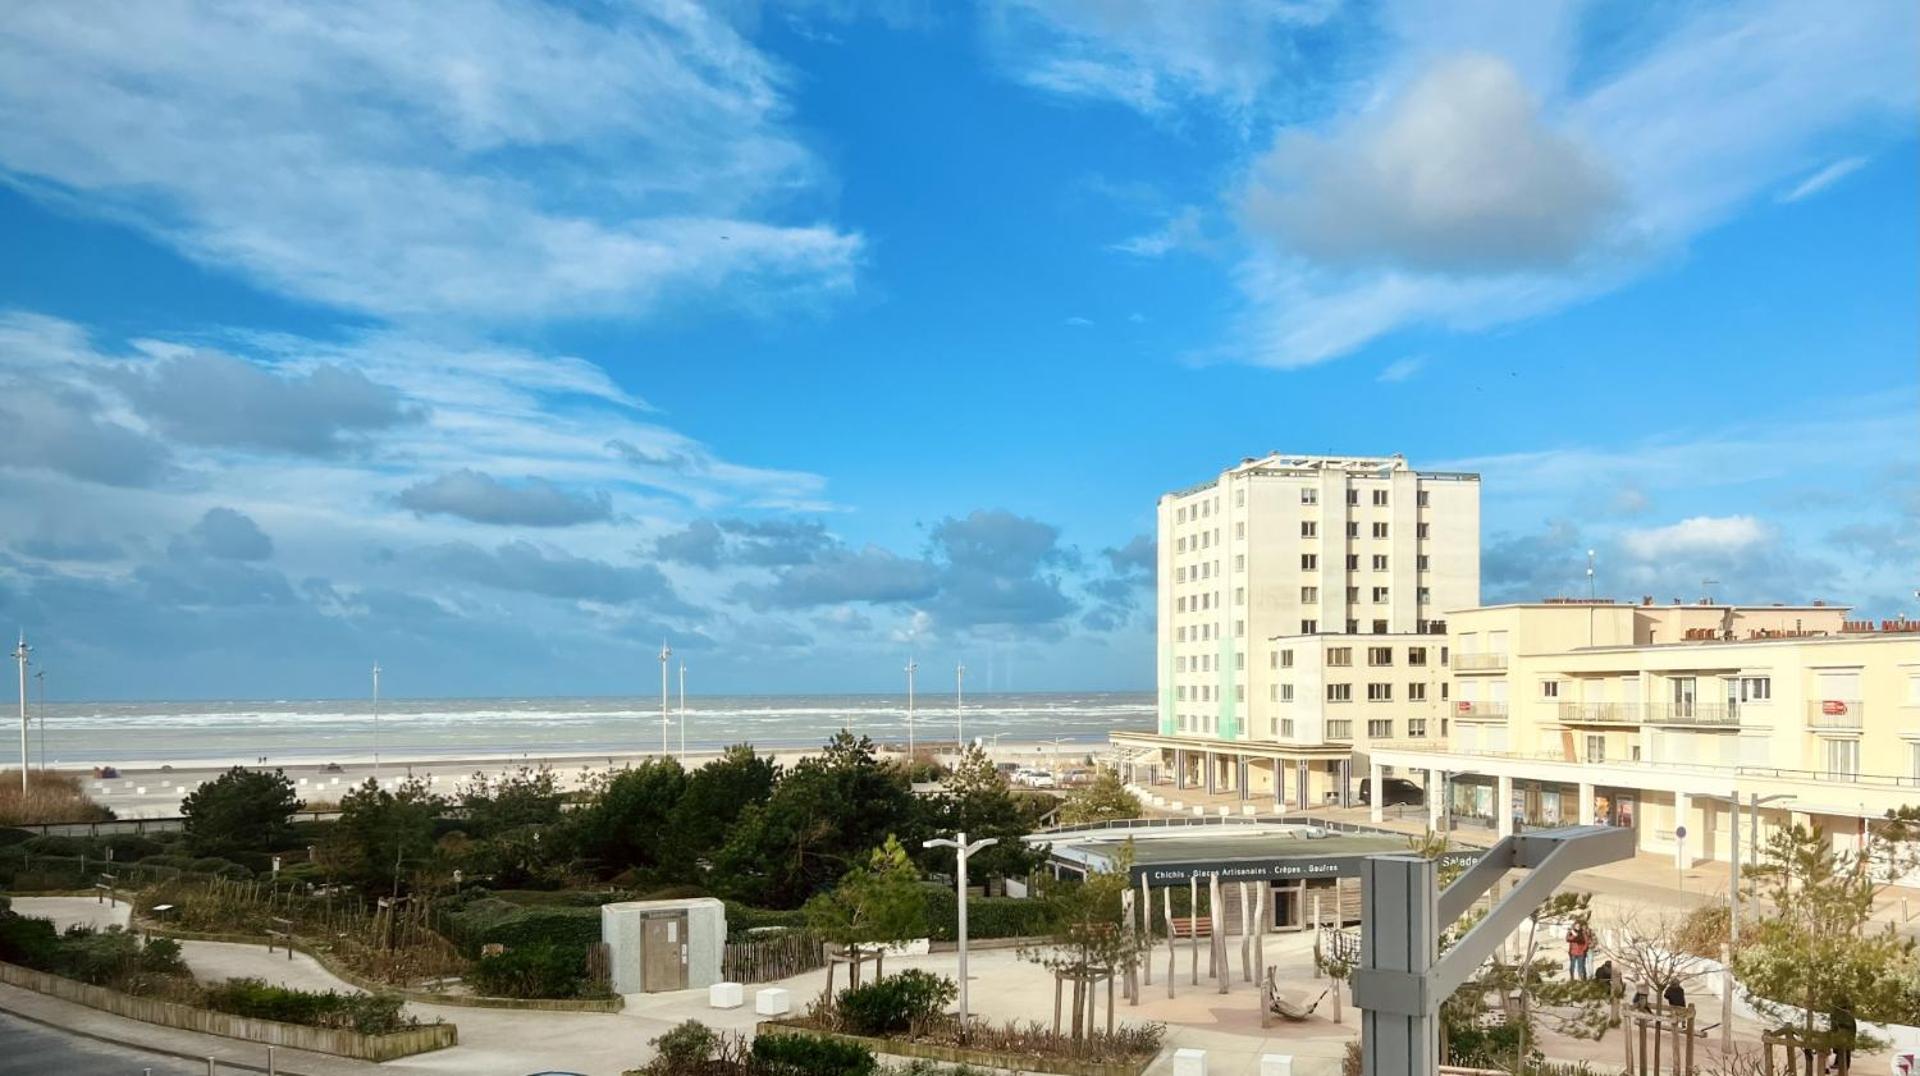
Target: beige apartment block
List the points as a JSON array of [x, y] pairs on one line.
[[1658, 716], [1308, 556]]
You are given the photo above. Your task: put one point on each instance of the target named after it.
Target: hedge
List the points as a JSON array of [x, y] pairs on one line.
[[987, 917], [490, 920]]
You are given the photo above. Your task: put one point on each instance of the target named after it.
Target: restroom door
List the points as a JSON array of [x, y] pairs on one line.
[[663, 953]]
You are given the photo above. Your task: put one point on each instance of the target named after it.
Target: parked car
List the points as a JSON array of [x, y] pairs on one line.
[[1035, 778], [331, 767], [1399, 792]]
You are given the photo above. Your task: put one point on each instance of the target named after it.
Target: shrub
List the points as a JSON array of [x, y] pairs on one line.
[[805, 1055], [905, 1001], [369, 1014], [53, 844], [742, 918], [131, 847], [479, 922], [240, 810], [48, 797], [686, 1044], [224, 868], [9, 837], [1704, 931], [987, 917], [531, 971]]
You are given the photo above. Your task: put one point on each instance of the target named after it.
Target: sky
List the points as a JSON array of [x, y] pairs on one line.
[[501, 341]]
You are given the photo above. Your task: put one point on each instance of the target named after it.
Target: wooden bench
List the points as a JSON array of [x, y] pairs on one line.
[[1195, 926]]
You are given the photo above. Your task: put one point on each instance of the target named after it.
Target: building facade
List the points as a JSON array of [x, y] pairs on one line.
[[1659, 717], [1339, 566]]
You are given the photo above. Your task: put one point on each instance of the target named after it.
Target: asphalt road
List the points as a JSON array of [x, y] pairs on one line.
[[29, 1049]]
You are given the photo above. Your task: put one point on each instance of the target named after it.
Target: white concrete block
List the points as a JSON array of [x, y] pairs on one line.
[[1223, 812], [1249, 809], [725, 996], [1176, 805], [141, 791], [1199, 811], [1276, 1065], [1188, 1061], [772, 1001]]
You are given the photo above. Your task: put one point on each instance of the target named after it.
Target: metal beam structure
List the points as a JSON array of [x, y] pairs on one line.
[[1403, 977]]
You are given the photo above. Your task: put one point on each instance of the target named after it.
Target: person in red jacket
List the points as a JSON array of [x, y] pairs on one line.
[[1578, 943]]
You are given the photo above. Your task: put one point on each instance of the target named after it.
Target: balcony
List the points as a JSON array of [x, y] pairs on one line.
[[1469, 710], [1599, 713], [1835, 714], [1717, 715], [1479, 662]]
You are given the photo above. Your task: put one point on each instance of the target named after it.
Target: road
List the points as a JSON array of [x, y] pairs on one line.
[[29, 1049]]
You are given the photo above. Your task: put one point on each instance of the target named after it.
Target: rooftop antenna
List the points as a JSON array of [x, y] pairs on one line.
[[666, 722], [20, 653]]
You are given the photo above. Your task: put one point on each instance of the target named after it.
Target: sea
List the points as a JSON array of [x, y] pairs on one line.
[[219, 732]]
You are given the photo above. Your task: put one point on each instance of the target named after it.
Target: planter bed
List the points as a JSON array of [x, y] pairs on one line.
[[336, 1041], [959, 1055], [422, 997]]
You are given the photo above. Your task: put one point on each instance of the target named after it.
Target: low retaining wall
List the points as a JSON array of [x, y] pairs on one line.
[[423, 997], [341, 1043], [955, 1055]]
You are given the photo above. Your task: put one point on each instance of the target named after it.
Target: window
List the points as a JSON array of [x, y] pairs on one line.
[[1286, 727], [1379, 498], [1380, 729], [1353, 496], [1180, 516], [1549, 689], [1913, 760], [1379, 627], [1340, 730], [1339, 656], [1240, 529], [1206, 539], [1206, 508], [1424, 595], [1379, 595], [1180, 692], [1596, 748], [1239, 629], [1379, 562], [1443, 655], [1417, 727], [1273, 692], [1240, 497], [1239, 692], [1239, 595], [1180, 664], [1756, 688], [1379, 655], [1420, 531], [1416, 655], [1420, 498], [1353, 626], [1339, 692], [1309, 562], [1309, 627], [1353, 529], [1239, 562], [1420, 562], [1180, 546], [1416, 691], [1309, 495], [1286, 659], [1843, 759], [1179, 575], [1286, 692], [1379, 530], [1180, 604], [1353, 562], [1181, 633], [1239, 661], [1379, 692], [1445, 689], [1353, 595], [1309, 529]]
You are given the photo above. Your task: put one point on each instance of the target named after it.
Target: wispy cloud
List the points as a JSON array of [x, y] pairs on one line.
[[1401, 369], [1824, 178], [370, 160]]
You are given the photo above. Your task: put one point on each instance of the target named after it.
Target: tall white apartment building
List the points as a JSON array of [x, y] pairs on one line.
[[1268, 558]]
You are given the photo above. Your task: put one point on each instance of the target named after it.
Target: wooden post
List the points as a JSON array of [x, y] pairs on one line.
[[1216, 928], [1316, 935], [1260, 918], [1246, 938], [1146, 921], [1109, 1004], [1056, 1004], [1166, 900], [1193, 934]]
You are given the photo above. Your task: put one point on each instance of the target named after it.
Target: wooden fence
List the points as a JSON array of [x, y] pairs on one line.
[[766, 957], [336, 1041]]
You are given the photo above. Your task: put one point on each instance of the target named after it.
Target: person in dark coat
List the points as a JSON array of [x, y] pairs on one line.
[[1845, 1029], [1674, 995]]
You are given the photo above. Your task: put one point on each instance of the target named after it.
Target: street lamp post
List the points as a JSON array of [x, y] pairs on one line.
[[376, 724], [912, 666], [666, 723], [961, 850], [20, 653]]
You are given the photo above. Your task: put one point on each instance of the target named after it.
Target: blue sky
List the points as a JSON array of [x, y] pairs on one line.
[[498, 340]]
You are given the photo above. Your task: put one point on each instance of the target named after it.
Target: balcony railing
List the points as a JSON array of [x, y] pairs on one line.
[[1835, 713], [1442, 749], [1696, 713], [1468, 710], [1478, 662], [1600, 713]]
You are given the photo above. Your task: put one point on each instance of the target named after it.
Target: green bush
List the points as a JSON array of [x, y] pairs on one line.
[[369, 1014], [479, 922], [10, 836], [987, 917], [129, 847], [53, 844], [904, 1001], [168, 859], [532, 971], [742, 918], [805, 1055], [225, 868], [685, 1045]]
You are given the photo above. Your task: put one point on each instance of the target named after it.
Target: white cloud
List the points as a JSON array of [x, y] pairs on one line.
[[1183, 230], [1460, 173], [1147, 55], [1724, 107], [1696, 536], [1079, 322], [537, 161], [1824, 178], [1401, 369]]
